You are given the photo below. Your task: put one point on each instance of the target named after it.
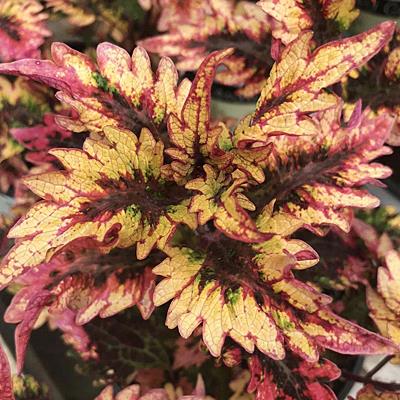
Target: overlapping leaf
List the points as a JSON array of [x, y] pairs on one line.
[[22, 29], [384, 305], [191, 131], [294, 163], [233, 291], [75, 287], [314, 180], [172, 13], [20, 105], [40, 138], [295, 86], [291, 17], [110, 193], [343, 12], [287, 18], [222, 200], [134, 392], [19, 387], [392, 66], [213, 25], [109, 17], [27, 387], [293, 379], [195, 138], [198, 141], [377, 84], [121, 91]]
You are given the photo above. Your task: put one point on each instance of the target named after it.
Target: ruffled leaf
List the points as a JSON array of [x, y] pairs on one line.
[[338, 334], [110, 193], [27, 387], [22, 105], [294, 87], [291, 17], [121, 91], [24, 328], [315, 180], [40, 138], [233, 302], [291, 379], [134, 392], [191, 131], [287, 18], [198, 28], [389, 281], [76, 286], [392, 66], [224, 202], [343, 12], [109, 18]]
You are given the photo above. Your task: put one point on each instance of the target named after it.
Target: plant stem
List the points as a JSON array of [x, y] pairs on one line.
[[377, 384], [378, 366]]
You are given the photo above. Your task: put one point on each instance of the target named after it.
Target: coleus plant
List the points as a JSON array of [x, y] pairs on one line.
[[377, 83], [199, 28], [106, 19], [195, 29], [22, 29], [161, 203], [327, 18]]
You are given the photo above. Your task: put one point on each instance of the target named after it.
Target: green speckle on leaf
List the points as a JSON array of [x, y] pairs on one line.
[[169, 209], [207, 275], [283, 322], [133, 210], [103, 84], [194, 256], [225, 144], [148, 173], [232, 295]]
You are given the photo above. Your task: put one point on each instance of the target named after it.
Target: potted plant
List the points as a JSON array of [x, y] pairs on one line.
[[183, 257]]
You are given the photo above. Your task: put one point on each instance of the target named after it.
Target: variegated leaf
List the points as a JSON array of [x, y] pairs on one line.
[[292, 379], [384, 305], [201, 27], [314, 181], [222, 291], [109, 192], [6, 387], [108, 19], [190, 131], [23, 29], [120, 91], [289, 18], [295, 85], [221, 199]]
